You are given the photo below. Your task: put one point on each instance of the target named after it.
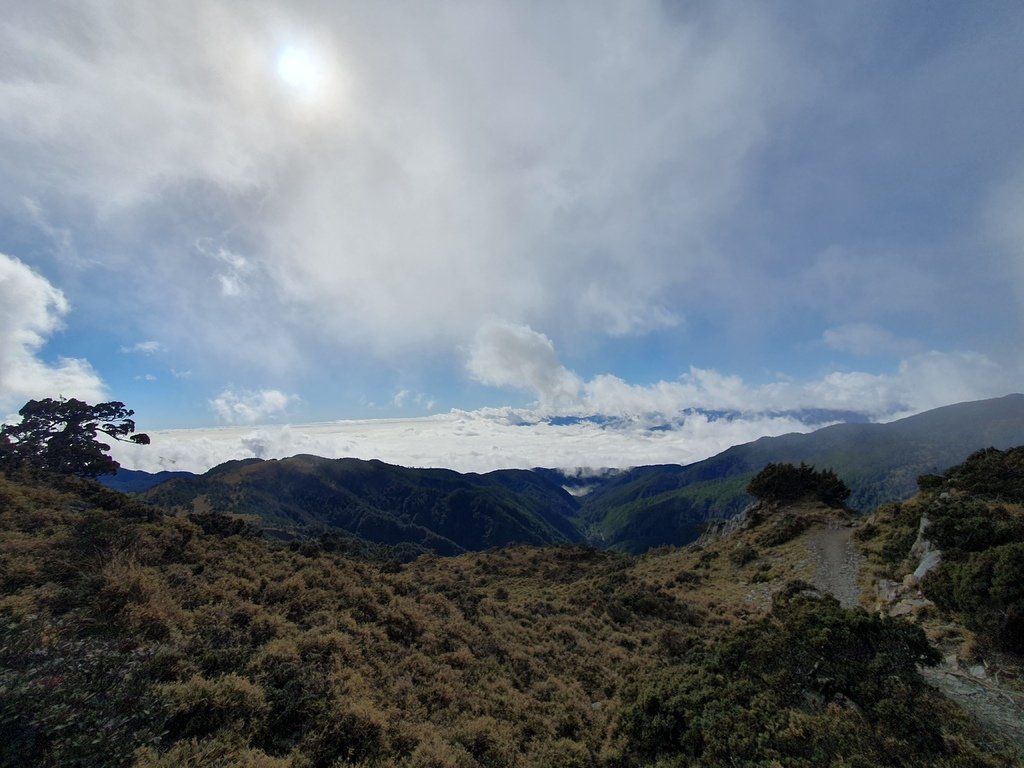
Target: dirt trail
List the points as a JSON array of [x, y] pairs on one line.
[[837, 563]]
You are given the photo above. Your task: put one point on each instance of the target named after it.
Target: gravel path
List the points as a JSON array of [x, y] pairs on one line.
[[837, 563]]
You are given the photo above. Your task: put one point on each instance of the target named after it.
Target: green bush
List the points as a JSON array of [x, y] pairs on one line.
[[991, 474], [987, 590], [786, 483], [812, 684], [972, 526]]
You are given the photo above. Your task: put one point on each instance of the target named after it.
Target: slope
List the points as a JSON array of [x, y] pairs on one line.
[[434, 510], [669, 504], [132, 638]]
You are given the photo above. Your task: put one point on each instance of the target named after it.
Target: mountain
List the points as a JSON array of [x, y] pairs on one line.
[[670, 504], [436, 510], [137, 481], [447, 512]]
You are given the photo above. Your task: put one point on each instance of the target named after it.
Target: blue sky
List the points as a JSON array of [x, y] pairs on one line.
[[236, 213]]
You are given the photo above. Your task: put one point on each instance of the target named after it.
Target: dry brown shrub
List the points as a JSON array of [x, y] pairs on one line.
[[199, 707]]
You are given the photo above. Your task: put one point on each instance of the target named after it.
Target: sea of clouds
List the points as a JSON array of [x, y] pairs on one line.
[[477, 441]]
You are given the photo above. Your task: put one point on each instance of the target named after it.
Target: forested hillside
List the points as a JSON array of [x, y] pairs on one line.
[[423, 510], [880, 463]]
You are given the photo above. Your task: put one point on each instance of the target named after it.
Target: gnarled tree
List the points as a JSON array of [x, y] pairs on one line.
[[62, 436], [785, 483]]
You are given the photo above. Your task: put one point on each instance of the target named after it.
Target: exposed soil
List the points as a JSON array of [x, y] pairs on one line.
[[837, 562]]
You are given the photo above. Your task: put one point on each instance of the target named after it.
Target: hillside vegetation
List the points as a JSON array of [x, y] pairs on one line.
[[880, 463], [133, 637], [445, 512], [423, 510], [973, 515]]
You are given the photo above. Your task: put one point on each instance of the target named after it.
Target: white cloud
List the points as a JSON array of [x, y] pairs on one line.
[[31, 310], [145, 347], [236, 267], [404, 397], [603, 307], [428, 186], [466, 441], [920, 382], [517, 356], [511, 355], [250, 407], [488, 439], [583, 168]]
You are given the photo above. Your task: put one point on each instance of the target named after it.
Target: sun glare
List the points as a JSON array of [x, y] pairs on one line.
[[298, 69]]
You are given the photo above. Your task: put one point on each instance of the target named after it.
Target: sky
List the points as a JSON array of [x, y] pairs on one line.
[[356, 228]]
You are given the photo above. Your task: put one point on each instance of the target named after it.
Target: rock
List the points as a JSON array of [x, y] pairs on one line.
[[887, 590], [977, 670], [909, 606], [929, 561]]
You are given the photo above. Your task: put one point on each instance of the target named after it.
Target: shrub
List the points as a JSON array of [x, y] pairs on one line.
[[987, 590], [785, 483], [992, 474], [200, 707], [812, 684], [782, 529], [84, 702], [742, 554]]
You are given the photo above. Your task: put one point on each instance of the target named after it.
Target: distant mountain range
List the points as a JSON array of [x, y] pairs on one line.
[[136, 481], [446, 512], [436, 510]]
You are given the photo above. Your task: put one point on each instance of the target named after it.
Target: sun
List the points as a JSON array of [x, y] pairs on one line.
[[299, 69]]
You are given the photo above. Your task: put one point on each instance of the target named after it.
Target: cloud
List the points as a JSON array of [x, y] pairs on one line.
[[517, 356], [403, 398], [32, 310], [427, 186], [236, 268], [597, 170], [511, 355], [488, 439], [919, 383], [477, 441], [250, 407], [867, 339], [145, 347]]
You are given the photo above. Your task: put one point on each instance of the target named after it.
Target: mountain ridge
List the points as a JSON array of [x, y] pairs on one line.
[[448, 512]]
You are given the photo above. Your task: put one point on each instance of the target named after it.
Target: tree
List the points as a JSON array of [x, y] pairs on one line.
[[61, 436], [785, 483]]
